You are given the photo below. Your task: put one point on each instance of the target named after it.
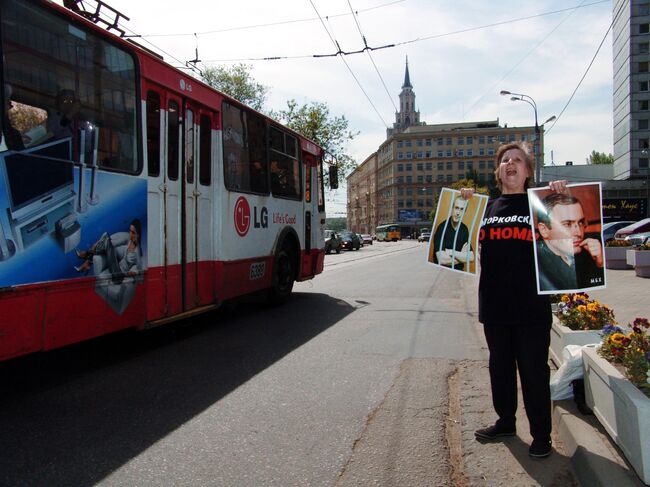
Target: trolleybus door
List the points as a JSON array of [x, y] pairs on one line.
[[173, 209], [189, 212]]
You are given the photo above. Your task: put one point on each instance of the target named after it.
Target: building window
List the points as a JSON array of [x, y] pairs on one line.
[[448, 140], [490, 139], [409, 179], [409, 167], [511, 138], [428, 142], [409, 203], [470, 152], [400, 168], [469, 140], [643, 86], [644, 144], [440, 166], [429, 166], [400, 180], [461, 140], [643, 105], [461, 165], [449, 165], [481, 164], [427, 154], [643, 67], [644, 47], [439, 141], [408, 143], [400, 155], [481, 139], [450, 178], [461, 153], [470, 165], [440, 178], [481, 151], [643, 163], [441, 153], [409, 191], [400, 144], [420, 178], [643, 124], [449, 153], [409, 155], [490, 152], [400, 203], [644, 28], [419, 166], [400, 191], [429, 178]]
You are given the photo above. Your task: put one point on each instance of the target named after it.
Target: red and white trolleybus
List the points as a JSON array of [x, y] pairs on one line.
[[131, 194]]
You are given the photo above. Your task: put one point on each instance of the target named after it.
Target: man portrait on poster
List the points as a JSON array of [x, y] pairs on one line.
[[456, 228], [567, 257], [451, 239]]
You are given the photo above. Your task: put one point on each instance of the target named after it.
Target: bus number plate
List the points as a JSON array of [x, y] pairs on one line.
[[257, 270]]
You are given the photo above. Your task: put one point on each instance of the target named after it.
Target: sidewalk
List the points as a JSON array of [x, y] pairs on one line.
[[595, 458], [583, 448]]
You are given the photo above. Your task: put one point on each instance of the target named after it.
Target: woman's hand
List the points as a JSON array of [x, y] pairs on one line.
[[559, 186], [467, 193]]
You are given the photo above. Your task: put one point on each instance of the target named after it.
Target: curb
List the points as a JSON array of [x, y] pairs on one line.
[[596, 460]]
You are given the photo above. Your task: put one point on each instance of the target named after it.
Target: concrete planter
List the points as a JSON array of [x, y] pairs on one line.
[[622, 409], [561, 336], [630, 257], [642, 263], [615, 258]]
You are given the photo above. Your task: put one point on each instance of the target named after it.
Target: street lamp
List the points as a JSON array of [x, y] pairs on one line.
[[527, 99]]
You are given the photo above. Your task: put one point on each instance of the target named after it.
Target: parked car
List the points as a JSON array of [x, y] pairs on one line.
[[366, 239], [638, 238], [360, 239], [609, 229], [424, 237], [638, 227], [332, 242], [350, 241]]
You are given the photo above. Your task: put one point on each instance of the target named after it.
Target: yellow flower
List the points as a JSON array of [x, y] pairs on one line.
[[617, 337], [582, 308], [565, 299], [593, 306]]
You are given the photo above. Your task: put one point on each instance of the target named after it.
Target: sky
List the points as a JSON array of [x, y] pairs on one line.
[[461, 54]]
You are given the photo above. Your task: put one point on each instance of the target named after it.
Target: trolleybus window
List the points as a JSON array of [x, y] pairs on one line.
[[285, 166], [172, 140], [153, 133], [205, 149], [189, 145], [84, 85], [244, 150]]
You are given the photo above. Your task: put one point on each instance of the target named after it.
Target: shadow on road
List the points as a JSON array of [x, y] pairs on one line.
[[72, 416]]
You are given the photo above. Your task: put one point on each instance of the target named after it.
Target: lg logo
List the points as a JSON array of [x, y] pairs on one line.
[[242, 216]]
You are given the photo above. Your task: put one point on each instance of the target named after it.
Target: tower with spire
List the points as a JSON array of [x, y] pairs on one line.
[[407, 114]]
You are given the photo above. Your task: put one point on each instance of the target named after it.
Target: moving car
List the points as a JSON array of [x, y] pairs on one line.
[[424, 237], [332, 242], [350, 241], [609, 229], [638, 227], [367, 239]]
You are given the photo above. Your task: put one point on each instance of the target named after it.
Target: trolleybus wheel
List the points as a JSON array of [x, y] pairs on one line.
[[284, 275]]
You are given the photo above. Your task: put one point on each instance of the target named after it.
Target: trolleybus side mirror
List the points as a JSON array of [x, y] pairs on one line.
[[334, 177]]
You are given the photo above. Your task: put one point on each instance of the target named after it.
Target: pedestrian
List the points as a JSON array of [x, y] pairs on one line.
[[516, 320]]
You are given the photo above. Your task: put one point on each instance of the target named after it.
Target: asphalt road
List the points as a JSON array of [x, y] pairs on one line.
[[355, 381]]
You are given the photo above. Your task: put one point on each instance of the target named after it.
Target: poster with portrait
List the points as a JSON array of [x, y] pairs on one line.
[[569, 251], [454, 235]]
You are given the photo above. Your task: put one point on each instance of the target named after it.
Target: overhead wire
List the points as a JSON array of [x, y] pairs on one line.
[[491, 88], [336, 44], [363, 37], [411, 41], [614, 17]]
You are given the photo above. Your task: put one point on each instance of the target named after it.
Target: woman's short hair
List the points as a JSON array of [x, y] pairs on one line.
[[528, 158]]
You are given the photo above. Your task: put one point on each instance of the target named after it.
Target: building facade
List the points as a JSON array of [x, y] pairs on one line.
[[416, 160], [631, 93]]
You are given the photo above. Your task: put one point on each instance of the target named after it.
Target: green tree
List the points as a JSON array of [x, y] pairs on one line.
[[237, 82], [599, 158], [313, 120], [463, 183]]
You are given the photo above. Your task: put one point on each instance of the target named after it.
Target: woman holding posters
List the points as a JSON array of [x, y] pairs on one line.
[[516, 320]]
